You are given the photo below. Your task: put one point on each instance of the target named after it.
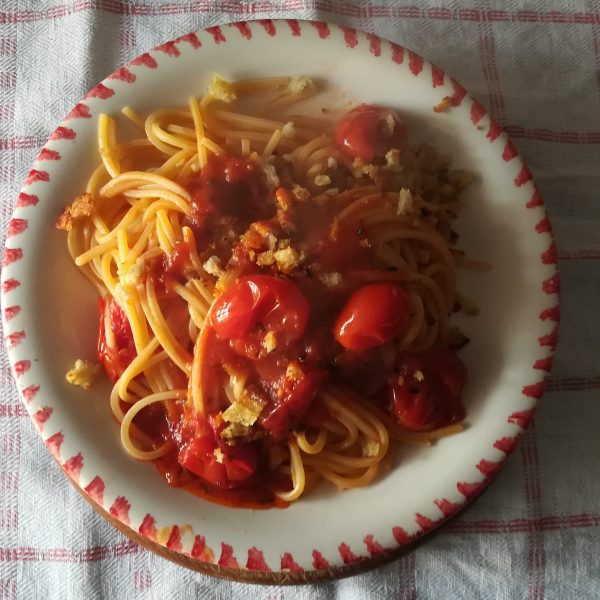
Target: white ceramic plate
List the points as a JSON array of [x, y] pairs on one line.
[[50, 311]]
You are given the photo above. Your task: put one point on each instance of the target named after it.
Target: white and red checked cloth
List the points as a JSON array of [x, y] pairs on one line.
[[536, 65]]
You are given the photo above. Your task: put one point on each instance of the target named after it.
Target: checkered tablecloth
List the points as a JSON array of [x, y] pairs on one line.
[[536, 66]]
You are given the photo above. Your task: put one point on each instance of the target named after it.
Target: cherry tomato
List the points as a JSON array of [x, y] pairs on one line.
[[373, 315], [426, 395], [258, 304], [229, 467], [296, 398], [369, 131], [117, 355]]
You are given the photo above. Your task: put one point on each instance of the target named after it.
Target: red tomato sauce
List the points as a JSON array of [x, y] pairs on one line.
[[287, 334]]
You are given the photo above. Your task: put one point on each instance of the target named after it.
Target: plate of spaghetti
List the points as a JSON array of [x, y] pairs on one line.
[[273, 322]]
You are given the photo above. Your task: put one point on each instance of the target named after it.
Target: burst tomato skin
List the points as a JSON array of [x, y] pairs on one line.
[[369, 131], [427, 393], [115, 359]]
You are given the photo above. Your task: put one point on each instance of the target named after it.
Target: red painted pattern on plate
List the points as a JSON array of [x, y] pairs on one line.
[[509, 151], [14, 339], [550, 314], [437, 76], [477, 112], [319, 561], [21, 367], [507, 444], [170, 49], [374, 548], [294, 27], [11, 312], [95, 489], [488, 468], [63, 133], [10, 284], [494, 130], [268, 26], [551, 285], [543, 225], [81, 111], [550, 339], [347, 555], [53, 443], [415, 63], [289, 564], [227, 558], [16, 227], [73, 466], [101, 91], [534, 390], [322, 29], [458, 95], [199, 549], [120, 509], [469, 490], [447, 507], [35, 175], [29, 393], [244, 29], [549, 257], [522, 418], [374, 44], [424, 522], [124, 74], [350, 36], [144, 60], [397, 54], [544, 364], [11, 255], [401, 536], [192, 39], [536, 199], [47, 154], [148, 527], [256, 560], [27, 200], [523, 177], [216, 33], [41, 416], [174, 541]]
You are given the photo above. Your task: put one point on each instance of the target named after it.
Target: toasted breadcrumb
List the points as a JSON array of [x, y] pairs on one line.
[[371, 448], [301, 193], [269, 341], [294, 371], [288, 130], [80, 208], [218, 454], [213, 266], [220, 89], [83, 373], [265, 259], [287, 259], [331, 279], [322, 180], [298, 84], [443, 105], [405, 202]]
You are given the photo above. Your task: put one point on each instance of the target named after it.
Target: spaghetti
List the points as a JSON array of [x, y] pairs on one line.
[[275, 291]]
